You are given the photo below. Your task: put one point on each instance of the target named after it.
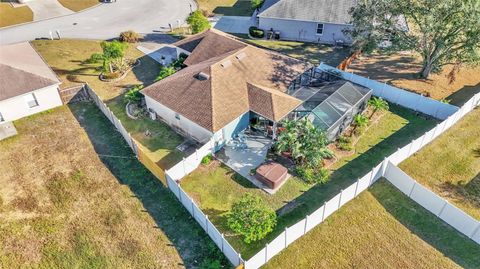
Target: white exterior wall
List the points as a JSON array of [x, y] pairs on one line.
[[305, 30], [189, 127], [16, 107]]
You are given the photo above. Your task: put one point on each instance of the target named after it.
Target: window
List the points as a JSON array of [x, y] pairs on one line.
[[177, 116], [1, 117], [31, 100], [320, 29]]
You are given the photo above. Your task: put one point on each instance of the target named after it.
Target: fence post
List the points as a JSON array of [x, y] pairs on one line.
[[239, 258], [323, 214], [410, 148], [384, 167], [356, 188], [475, 230], [266, 252], [340, 200], [411, 191], [443, 207], [179, 192], [206, 223], [193, 208], [196, 154], [184, 169], [223, 240], [305, 227], [286, 228]]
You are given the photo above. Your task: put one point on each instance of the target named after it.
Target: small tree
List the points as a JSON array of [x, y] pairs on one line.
[[198, 22], [165, 71], [251, 218], [134, 95], [378, 104], [113, 53], [359, 121]]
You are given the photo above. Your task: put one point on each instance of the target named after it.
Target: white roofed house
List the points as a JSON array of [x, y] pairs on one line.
[[320, 21], [27, 84]]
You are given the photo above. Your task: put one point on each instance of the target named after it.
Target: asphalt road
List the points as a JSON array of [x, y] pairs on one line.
[[105, 21]]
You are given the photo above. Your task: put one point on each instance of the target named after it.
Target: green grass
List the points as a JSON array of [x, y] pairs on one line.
[[227, 7], [74, 196], [450, 165], [381, 228], [160, 145], [10, 16], [309, 52], [215, 189]]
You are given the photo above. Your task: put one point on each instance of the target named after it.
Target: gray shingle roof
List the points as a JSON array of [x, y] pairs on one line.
[[328, 11]]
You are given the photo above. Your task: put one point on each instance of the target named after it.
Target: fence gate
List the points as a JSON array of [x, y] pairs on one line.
[[74, 94]]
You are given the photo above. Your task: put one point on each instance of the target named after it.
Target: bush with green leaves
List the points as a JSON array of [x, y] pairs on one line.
[[207, 159], [377, 104], [313, 175], [129, 36], [256, 4], [178, 63], [359, 123], [198, 22], [165, 71], [251, 218], [256, 32], [345, 143], [134, 95]]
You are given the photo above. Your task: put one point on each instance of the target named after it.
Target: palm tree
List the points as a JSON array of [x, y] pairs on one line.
[[359, 121], [378, 104]]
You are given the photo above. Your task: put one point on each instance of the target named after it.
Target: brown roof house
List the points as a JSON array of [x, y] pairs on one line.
[[27, 84], [226, 83]]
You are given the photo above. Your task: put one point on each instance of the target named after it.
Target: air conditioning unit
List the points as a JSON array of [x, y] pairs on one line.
[[152, 114]]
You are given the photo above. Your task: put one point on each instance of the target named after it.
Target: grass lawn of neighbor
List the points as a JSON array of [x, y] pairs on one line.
[[310, 52], [381, 228], [73, 195], [78, 5], [216, 187], [401, 70], [227, 7], [67, 58], [11, 16], [450, 165]]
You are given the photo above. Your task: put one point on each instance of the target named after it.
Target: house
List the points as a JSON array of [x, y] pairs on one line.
[[229, 85], [320, 21], [27, 84]]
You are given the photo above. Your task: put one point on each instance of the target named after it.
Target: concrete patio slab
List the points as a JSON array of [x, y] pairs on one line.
[[162, 53], [7, 129], [242, 160]]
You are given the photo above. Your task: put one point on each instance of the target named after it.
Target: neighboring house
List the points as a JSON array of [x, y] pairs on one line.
[[319, 21], [229, 85], [27, 84]]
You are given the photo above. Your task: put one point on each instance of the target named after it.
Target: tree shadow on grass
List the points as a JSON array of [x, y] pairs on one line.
[[467, 193], [175, 222], [428, 227]]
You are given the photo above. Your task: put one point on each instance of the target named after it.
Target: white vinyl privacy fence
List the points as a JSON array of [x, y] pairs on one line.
[[451, 215], [440, 207], [395, 95]]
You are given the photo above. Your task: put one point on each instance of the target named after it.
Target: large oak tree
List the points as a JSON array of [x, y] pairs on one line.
[[441, 31]]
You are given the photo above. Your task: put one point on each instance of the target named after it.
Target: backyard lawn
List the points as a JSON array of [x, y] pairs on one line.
[[227, 7], [11, 16], [77, 5], [450, 165], [381, 228], [67, 58], [310, 52], [73, 195], [215, 188], [401, 70]]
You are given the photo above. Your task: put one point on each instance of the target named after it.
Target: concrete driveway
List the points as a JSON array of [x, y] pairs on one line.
[[233, 24], [106, 21], [44, 9]]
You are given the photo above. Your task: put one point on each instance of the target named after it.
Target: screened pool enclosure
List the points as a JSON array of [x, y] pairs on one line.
[[329, 102]]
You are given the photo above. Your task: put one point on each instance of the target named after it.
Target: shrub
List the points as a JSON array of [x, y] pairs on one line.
[[129, 36], [251, 218], [165, 71], [345, 143], [95, 58], [312, 175], [256, 32], [113, 75], [198, 22], [207, 159], [256, 4], [178, 63], [134, 94]]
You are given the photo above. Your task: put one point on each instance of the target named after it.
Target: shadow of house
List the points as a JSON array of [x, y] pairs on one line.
[[462, 96], [427, 226], [240, 8], [191, 242]]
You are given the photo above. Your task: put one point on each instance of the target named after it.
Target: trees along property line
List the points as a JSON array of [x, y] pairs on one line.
[[450, 114]]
